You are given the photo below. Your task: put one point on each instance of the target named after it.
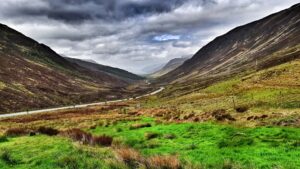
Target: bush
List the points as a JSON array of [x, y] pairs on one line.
[[129, 156], [102, 140], [150, 135], [12, 132], [221, 115], [163, 162], [241, 109], [87, 138], [133, 159], [3, 139], [78, 135], [48, 131], [5, 155], [137, 126]]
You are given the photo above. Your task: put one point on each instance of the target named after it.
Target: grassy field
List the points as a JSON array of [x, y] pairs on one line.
[[247, 121], [197, 145], [212, 145]]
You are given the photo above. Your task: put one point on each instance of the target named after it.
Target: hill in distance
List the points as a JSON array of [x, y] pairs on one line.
[[32, 75], [171, 65], [111, 71]]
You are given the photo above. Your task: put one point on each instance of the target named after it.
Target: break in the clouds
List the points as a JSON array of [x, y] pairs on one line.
[[131, 34]]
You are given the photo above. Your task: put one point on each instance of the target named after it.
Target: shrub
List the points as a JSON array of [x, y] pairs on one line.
[[16, 132], [5, 155], [133, 159], [87, 138], [163, 162], [3, 139], [78, 135], [241, 109], [129, 156], [150, 135], [102, 140], [32, 133], [48, 131], [137, 126], [117, 143], [221, 115]]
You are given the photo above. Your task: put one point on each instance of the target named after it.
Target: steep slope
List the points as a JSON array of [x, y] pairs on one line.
[[260, 44], [111, 71], [34, 76], [171, 65]]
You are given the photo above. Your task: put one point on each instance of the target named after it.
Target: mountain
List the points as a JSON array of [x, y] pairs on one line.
[[171, 65], [270, 41], [111, 71], [33, 76], [152, 68]]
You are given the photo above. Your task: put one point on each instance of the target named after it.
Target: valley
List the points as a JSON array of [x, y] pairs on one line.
[[234, 105]]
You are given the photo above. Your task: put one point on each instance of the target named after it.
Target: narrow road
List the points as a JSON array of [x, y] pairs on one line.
[[77, 106]]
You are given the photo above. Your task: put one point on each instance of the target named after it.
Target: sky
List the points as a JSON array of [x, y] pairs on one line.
[[135, 35]]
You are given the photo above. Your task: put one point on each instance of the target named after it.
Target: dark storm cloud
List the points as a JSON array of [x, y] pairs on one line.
[[131, 34], [84, 10]]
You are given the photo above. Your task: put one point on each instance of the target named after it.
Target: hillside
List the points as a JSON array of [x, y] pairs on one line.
[[171, 65], [33, 76], [111, 71], [257, 45]]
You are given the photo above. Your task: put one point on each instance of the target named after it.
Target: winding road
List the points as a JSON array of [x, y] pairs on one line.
[[77, 106]]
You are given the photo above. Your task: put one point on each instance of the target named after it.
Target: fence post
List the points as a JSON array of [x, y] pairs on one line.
[[233, 101]]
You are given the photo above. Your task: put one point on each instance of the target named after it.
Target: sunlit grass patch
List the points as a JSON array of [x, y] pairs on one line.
[[211, 144]]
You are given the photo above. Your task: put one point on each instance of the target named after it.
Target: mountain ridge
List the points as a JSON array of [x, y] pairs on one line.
[[246, 47], [116, 72], [169, 66], [34, 76]]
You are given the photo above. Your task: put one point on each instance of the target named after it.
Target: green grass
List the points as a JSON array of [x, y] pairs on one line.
[[49, 153], [213, 144], [208, 145], [223, 87]]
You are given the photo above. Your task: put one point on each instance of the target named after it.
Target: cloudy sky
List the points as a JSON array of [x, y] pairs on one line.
[[131, 34]]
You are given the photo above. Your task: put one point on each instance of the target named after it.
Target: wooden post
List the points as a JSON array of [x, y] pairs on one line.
[[233, 101], [256, 64]]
